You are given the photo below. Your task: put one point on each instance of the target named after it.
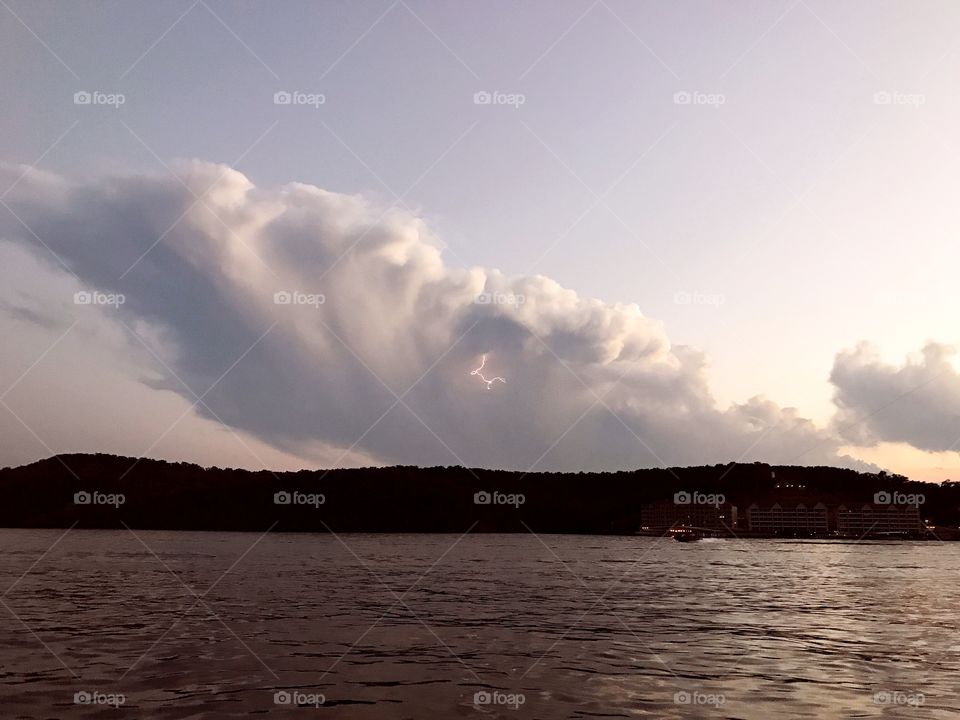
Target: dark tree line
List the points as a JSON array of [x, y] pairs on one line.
[[163, 495]]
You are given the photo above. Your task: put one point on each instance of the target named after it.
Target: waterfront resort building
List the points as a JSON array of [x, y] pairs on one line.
[[777, 519]]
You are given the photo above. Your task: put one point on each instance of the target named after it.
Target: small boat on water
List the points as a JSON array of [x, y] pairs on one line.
[[687, 536]]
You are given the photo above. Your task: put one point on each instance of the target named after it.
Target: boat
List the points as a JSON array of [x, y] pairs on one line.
[[687, 536]]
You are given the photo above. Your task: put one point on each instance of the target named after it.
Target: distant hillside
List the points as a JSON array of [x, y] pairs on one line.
[[106, 491]]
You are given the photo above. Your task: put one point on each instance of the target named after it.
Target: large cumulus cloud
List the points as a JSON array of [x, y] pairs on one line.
[[917, 402], [590, 385]]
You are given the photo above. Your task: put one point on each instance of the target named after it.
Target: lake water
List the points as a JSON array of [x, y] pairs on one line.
[[436, 626]]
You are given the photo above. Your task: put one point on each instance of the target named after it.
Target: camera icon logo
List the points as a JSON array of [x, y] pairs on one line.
[[282, 498], [282, 697], [482, 698], [882, 498], [482, 98], [82, 697], [482, 498], [681, 697], [882, 98], [282, 98], [82, 297], [682, 98], [282, 298], [81, 498], [682, 498], [82, 97]]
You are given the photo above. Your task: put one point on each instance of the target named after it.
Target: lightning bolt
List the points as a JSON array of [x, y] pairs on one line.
[[479, 373]]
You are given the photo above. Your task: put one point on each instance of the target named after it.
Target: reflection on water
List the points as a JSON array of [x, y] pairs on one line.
[[418, 626]]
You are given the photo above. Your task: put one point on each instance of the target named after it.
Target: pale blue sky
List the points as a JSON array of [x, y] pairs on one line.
[[813, 215]]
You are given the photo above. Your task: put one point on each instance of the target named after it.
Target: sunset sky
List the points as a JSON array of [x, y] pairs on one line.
[[707, 233]]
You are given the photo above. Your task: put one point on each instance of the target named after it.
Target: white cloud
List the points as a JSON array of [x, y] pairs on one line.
[[590, 385], [917, 402]]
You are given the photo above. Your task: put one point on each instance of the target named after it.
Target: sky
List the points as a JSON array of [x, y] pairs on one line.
[[708, 232]]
